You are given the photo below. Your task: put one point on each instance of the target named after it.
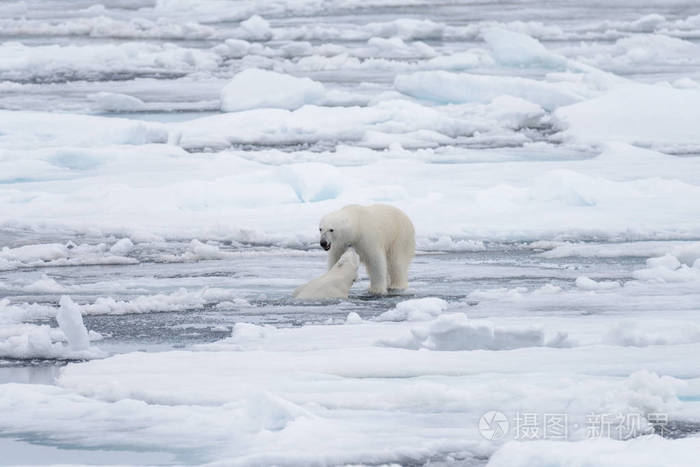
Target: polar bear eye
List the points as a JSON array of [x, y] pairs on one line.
[[331, 230]]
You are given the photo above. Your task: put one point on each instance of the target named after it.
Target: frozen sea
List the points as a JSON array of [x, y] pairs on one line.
[[163, 169]]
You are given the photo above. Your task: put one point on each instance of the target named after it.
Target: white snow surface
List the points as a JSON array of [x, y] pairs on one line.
[[646, 451]]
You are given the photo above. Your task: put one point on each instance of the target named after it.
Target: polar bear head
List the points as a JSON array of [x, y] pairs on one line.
[[349, 262], [336, 230]]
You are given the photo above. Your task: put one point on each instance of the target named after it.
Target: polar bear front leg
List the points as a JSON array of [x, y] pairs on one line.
[[376, 268]]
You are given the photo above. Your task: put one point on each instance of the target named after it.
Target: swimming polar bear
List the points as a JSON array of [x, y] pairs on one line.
[[335, 283], [382, 235]]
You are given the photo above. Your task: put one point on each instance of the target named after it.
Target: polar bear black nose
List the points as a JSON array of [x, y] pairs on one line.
[[325, 245]]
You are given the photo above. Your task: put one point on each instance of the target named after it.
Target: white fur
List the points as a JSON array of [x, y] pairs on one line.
[[382, 235], [335, 283]]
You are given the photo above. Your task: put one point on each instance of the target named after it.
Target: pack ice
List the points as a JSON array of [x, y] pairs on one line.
[[163, 169]]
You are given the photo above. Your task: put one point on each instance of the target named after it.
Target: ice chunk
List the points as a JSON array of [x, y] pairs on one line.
[[446, 87], [272, 413], [70, 321], [499, 293], [248, 331], [244, 336], [615, 250], [45, 285], [254, 88], [517, 49], [447, 243], [17, 312], [32, 253], [105, 26], [353, 318], [198, 251], [19, 61], [313, 182], [460, 60], [178, 300], [418, 309], [647, 23], [204, 251], [668, 268], [56, 254], [115, 102], [648, 50], [407, 29], [687, 253], [639, 114], [456, 332], [640, 333], [29, 341], [396, 47], [586, 283], [513, 112], [20, 129], [234, 48], [122, 247], [256, 28], [666, 261]]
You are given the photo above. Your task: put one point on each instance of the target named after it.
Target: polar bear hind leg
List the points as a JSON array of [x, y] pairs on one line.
[[398, 261], [398, 272], [376, 264]]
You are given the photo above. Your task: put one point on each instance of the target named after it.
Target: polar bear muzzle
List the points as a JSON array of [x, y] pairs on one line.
[[325, 241]]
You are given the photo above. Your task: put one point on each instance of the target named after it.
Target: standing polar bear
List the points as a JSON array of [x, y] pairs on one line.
[[382, 235], [335, 283]]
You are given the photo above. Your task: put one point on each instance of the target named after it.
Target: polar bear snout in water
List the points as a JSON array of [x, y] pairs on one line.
[[335, 283]]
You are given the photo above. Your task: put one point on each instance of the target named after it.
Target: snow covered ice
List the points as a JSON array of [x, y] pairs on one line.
[[163, 168]]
